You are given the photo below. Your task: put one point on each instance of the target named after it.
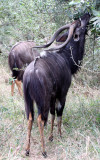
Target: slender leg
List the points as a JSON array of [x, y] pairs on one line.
[[12, 88], [59, 122], [59, 110], [41, 130], [52, 125], [52, 111], [18, 83], [29, 134]]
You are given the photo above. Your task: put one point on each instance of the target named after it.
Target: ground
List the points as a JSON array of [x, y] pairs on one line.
[[80, 129]]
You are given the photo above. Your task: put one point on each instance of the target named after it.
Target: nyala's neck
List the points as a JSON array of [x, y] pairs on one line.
[[73, 54]]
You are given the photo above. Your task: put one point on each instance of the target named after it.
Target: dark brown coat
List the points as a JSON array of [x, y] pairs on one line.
[[19, 57]]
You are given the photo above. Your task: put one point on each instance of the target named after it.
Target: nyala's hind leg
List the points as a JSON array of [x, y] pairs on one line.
[[59, 110], [59, 122], [52, 111], [19, 83], [41, 130], [30, 121], [52, 125], [12, 88]]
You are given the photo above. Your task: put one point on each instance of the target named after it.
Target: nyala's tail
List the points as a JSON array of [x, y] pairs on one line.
[[34, 91]]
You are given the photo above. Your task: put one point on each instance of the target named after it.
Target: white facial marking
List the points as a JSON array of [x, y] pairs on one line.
[[43, 54]]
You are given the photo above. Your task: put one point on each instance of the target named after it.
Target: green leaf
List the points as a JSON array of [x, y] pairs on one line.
[[96, 13], [93, 19]]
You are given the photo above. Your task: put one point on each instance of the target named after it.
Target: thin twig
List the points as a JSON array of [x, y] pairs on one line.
[[81, 66]]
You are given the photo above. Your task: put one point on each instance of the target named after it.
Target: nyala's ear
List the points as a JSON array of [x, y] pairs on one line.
[[62, 38]]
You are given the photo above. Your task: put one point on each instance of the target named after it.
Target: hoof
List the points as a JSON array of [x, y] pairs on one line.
[[44, 154], [51, 138], [27, 153]]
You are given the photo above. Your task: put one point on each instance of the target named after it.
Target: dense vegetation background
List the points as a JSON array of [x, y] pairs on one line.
[[37, 20]]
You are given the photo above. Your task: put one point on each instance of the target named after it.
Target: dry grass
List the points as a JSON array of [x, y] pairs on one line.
[[80, 128]]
